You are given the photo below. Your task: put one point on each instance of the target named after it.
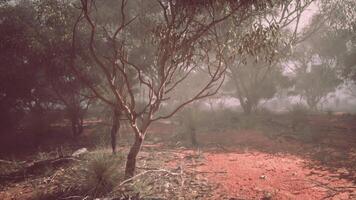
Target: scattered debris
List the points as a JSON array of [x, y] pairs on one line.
[[80, 152]]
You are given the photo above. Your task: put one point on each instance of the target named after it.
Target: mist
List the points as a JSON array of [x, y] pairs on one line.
[[177, 99]]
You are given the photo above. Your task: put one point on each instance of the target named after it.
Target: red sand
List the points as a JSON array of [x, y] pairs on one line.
[[256, 175], [253, 175]]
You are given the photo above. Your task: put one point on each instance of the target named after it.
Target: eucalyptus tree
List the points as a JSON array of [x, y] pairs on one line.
[[23, 83], [260, 75], [55, 21], [160, 43], [36, 78], [316, 75], [314, 82], [327, 58], [337, 39]]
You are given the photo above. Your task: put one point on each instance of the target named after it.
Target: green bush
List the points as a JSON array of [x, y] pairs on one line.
[[96, 176], [101, 173]]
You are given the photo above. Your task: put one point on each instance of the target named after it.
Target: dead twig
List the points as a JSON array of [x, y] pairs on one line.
[[333, 191], [146, 172], [11, 162]]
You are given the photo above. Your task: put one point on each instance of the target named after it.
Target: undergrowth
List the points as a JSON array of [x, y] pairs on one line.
[[94, 176]]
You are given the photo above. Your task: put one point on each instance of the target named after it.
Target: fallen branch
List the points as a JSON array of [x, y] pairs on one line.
[[50, 162], [11, 162], [145, 172], [36, 166], [333, 191]]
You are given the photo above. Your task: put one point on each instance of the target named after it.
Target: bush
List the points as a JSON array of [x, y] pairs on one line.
[[100, 173], [96, 176], [298, 115], [189, 120]]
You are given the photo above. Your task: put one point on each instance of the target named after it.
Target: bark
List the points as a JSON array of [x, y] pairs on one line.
[[246, 106], [115, 129], [193, 137], [131, 157], [74, 128], [77, 126], [81, 127]]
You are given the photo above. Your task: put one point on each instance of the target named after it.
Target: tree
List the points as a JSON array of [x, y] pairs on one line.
[[257, 77], [179, 36], [337, 38], [23, 82], [316, 75], [253, 82], [36, 79], [54, 22], [52, 34]]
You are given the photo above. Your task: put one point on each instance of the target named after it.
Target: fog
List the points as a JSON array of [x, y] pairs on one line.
[[177, 99]]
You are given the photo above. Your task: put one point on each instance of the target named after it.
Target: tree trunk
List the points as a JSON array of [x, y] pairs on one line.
[[245, 104], [193, 137], [77, 126], [131, 157], [114, 129], [80, 125], [247, 107], [75, 131]]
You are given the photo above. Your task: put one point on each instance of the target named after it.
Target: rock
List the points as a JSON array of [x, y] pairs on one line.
[[80, 152], [267, 196]]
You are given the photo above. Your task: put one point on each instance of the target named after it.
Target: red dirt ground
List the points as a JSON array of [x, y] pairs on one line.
[[250, 165], [256, 175]]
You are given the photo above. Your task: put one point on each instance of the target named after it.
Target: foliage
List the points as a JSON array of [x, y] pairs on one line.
[[257, 74], [180, 39], [316, 83], [36, 80], [96, 176], [337, 34], [254, 82]]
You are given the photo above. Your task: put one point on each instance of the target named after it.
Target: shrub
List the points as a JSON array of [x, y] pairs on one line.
[[189, 122], [298, 115], [96, 176]]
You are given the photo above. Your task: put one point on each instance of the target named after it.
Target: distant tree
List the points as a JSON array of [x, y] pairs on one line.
[[36, 79], [55, 23], [254, 82], [259, 76], [315, 83], [316, 75], [338, 34], [23, 83], [327, 58]]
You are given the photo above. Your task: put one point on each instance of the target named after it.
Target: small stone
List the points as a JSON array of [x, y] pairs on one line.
[[263, 177], [267, 196]]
